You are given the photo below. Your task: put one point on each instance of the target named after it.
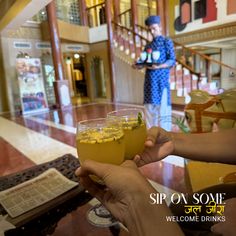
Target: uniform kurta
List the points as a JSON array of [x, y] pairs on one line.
[[157, 81]]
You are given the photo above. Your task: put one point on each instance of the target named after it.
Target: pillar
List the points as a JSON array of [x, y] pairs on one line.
[[162, 12], [134, 16], [110, 47], [83, 12], [116, 10], [61, 86]]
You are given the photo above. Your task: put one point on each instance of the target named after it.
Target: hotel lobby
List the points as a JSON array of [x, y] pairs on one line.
[[62, 62]]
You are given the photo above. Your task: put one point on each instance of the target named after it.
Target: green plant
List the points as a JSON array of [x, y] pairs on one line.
[[180, 122]]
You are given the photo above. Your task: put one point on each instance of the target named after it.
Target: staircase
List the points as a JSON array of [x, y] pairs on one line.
[[125, 51], [185, 76], [192, 70]]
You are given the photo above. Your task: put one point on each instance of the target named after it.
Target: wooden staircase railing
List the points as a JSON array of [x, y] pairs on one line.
[[124, 18], [184, 76], [96, 15], [191, 53], [123, 38], [185, 50]]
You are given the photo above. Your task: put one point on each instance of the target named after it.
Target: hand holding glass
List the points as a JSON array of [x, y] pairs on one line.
[[100, 140]]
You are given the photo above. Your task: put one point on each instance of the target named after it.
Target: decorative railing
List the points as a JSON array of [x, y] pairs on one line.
[[187, 74], [184, 53], [96, 15], [193, 70], [187, 56], [124, 18]]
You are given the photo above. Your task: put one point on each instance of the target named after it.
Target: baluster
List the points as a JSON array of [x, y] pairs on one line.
[[123, 37], [95, 16], [208, 71], [182, 69], [191, 81], [198, 81], [126, 20], [175, 76], [127, 42]]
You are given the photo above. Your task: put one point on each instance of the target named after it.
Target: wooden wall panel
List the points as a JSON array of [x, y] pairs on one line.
[[129, 83]]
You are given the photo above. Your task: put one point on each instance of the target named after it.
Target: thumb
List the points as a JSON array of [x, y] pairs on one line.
[[92, 167]]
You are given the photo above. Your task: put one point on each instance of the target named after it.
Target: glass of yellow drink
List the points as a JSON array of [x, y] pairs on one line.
[[134, 127], [100, 140]]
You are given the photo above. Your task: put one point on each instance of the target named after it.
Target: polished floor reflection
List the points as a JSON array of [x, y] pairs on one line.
[[35, 139]]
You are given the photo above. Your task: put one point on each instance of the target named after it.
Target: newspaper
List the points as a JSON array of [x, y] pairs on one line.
[[35, 192]]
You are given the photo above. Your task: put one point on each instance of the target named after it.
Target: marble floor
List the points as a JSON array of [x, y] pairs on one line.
[[35, 139]]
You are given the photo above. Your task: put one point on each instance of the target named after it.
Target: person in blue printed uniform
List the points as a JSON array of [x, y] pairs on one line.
[[157, 98]]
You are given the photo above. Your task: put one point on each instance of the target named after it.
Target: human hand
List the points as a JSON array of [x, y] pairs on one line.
[[158, 145], [118, 194], [228, 227], [137, 66], [155, 67], [152, 67]]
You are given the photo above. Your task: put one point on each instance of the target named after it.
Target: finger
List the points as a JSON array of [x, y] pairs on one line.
[[92, 167], [217, 228], [139, 161], [78, 171], [95, 167], [151, 154], [129, 164], [152, 134], [92, 187], [149, 142]]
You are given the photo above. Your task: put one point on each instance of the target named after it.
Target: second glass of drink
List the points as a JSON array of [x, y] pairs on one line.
[[134, 127]]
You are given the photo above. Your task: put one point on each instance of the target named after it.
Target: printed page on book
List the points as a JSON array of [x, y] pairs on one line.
[[35, 192]]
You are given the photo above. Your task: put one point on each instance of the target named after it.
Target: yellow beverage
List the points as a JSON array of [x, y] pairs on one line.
[[134, 128], [135, 136], [103, 145]]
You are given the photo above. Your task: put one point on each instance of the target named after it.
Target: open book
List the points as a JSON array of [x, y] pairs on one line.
[[35, 192]]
